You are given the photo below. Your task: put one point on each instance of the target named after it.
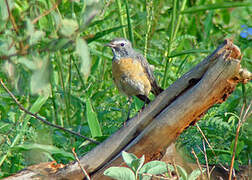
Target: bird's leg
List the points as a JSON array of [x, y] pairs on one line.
[[145, 102], [129, 108]]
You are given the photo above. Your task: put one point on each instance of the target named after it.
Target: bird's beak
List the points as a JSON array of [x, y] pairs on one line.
[[110, 45]]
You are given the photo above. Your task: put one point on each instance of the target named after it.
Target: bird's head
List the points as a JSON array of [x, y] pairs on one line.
[[120, 47]]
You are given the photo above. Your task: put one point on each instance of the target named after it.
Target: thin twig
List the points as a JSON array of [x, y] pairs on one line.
[[46, 12], [169, 171], [197, 160], [79, 163], [204, 148], [158, 177], [175, 168], [15, 27], [241, 121], [203, 135], [21, 107], [11, 17]]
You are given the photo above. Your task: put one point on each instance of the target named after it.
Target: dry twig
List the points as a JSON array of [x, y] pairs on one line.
[[203, 135], [197, 160], [204, 148], [242, 119], [46, 12], [175, 169], [79, 163]]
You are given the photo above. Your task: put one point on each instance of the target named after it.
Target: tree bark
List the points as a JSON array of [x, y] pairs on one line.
[[151, 131]]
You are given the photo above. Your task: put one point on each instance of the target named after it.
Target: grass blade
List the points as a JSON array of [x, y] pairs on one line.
[[225, 5], [93, 122], [130, 29]]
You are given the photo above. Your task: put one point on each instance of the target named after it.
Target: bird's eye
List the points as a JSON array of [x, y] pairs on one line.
[[122, 44]]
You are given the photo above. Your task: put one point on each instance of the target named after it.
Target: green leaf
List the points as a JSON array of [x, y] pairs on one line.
[[154, 167], [82, 51], [128, 158], [189, 51], [103, 33], [46, 148], [92, 9], [36, 36], [58, 44], [68, 28], [6, 47], [28, 63], [130, 29], [224, 5], [195, 174], [208, 25], [120, 173], [30, 27], [92, 120], [239, 147], [136, 164], [41, 100], [40, 77], [3, 9], [182, 172], [226, 16]]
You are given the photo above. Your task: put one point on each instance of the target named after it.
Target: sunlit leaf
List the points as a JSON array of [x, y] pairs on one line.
[[69, 26], [128, 158], [154, 167], [36, 36], [195, 174], [182, 172], [120, 173], [3, 9], [40, 76], [6, 47], [82, 51], [9, 69]]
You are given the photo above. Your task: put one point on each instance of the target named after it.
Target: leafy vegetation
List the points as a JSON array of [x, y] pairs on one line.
[[138, 170], [54, 61]]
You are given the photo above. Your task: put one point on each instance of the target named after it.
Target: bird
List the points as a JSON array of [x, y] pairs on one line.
[[131, 72]]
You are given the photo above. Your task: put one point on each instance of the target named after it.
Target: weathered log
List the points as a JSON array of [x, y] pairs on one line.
[[151, 131]]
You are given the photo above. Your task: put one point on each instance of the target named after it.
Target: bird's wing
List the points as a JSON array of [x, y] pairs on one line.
[[155, 88]]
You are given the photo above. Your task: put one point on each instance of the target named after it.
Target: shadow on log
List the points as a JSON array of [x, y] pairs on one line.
[[151, 131]]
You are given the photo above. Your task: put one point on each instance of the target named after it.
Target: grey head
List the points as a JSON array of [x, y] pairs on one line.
[[121, 48]]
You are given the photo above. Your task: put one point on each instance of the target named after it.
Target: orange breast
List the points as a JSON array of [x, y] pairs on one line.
[[130, 77]]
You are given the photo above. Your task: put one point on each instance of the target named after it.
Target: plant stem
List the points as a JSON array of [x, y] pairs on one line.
[[119, 6], [171, 37]]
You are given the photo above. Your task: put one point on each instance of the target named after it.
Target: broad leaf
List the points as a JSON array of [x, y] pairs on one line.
[[182, 172], [120, 173], [82, 51], [40, 76], [69, 26], [195, 174], [128, 158], [154, 167], [93, 122], [46, 148]]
